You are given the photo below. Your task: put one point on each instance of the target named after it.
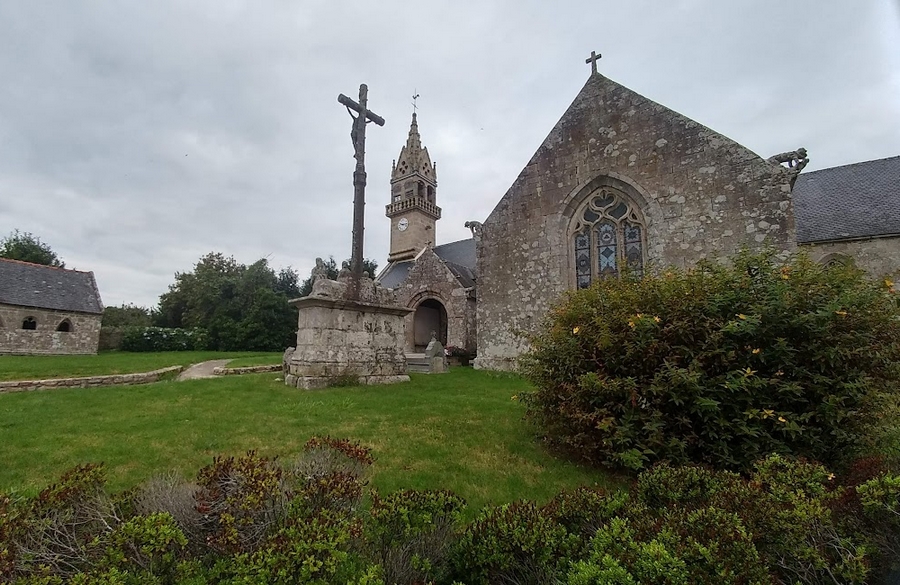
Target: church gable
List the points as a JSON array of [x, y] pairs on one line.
[[621, 182]]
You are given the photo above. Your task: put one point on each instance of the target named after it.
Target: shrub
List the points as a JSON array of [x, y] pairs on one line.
[[241, 501], [718, 364], [583, 511], [410, 534], [303, 550], [515, 543], [63, 530], [162, 339]]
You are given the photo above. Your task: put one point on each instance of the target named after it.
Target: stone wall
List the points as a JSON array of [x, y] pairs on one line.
[[878, 256], [88, 381], [701, 195], [431, 279], [83, 336]]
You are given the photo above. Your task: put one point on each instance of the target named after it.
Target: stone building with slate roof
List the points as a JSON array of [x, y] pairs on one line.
[[851, 213], [48, 310], [620, 183]]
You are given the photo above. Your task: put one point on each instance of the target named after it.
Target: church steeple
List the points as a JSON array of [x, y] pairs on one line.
[[413, 208], [414, 158]]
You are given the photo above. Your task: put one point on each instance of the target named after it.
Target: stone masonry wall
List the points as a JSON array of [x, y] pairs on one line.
[[88, 381], [431, 279], [701, 195], [83, 337], [878, 256]]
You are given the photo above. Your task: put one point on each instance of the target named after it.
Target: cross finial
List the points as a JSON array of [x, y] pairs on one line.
[[414, 98], [593, 61]]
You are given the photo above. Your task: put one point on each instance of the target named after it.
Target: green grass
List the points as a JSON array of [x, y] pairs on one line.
[[42, 367], [267, 359], [459, 431]]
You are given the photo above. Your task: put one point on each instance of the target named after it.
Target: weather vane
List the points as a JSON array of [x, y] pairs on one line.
[[415, 97]]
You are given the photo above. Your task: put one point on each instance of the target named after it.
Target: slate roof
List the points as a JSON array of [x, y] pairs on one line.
[[396, 273], [861, 200], [461, 253], [45, 287], [458, 256]]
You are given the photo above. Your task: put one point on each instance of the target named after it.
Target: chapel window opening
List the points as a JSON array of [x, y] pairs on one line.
[[609, 238], [29, 323], [65, 326]]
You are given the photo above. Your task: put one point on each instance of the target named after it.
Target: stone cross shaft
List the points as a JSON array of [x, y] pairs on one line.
[[593, 61], [358, 136]]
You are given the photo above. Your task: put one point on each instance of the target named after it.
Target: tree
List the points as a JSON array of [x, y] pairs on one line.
[[241, 307], [126, 316], [370, 266], [27, 247]]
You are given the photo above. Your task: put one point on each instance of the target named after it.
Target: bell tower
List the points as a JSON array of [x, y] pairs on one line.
[[413, 208]]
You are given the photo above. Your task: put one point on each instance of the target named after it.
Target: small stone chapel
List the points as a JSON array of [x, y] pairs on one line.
[[620, 181]]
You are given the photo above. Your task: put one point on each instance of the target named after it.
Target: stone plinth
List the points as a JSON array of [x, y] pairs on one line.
[[340, 340]]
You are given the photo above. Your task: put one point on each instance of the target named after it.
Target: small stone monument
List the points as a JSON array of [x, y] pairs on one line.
[[434, 353], [349, 329]]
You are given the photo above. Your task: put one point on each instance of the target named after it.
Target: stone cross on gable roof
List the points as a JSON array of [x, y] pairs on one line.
[[593, 61]]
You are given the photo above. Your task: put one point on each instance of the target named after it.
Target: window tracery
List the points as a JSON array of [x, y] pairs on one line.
[[29, 323], [609, 237]]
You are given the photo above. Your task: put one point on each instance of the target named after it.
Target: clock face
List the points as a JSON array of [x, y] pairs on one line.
[[402, 224]]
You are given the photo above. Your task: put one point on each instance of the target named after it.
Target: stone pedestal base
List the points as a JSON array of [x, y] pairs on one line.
[[344, 342]]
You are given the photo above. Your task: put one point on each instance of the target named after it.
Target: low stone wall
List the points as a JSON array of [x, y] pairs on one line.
[[88, 382], [246, 370]]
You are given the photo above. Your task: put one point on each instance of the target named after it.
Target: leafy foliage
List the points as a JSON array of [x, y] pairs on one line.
[[162, 339], [126, 316], [369, 266], [718, 364], [410, 534], [249, 520], [27, 247], [241, 307]]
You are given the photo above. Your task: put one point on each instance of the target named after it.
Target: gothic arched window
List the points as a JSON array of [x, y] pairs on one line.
[[608, 237], [65, 326], [29, 323]]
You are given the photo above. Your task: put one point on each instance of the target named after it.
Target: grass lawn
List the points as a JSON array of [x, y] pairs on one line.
[[42, 367], [266, 359], [460, 431]]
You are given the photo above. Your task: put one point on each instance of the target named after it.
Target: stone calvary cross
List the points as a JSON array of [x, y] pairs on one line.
[[358, 136]]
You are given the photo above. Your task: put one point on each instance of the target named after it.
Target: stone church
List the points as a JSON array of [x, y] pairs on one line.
[[620, 183]]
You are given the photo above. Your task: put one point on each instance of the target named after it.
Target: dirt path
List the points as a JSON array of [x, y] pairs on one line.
[[201, 370]]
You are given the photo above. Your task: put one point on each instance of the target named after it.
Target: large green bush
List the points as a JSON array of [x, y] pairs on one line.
[[720, 364]]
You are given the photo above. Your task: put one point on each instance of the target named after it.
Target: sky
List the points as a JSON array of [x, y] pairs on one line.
[[135, 137]]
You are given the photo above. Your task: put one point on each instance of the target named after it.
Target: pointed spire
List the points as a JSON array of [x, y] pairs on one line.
[[414, 157]]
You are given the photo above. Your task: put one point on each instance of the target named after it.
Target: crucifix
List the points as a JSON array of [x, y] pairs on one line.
[[414, 98], [593, 61], [358, 136]]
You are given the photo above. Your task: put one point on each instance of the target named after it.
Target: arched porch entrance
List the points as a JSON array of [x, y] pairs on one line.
[[430, 316]]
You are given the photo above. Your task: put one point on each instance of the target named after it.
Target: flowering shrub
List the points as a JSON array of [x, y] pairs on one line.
[[163, 339], [718, 364]]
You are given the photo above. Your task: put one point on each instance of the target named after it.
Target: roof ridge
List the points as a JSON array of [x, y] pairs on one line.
[[45, 266], [854, 164], [454, 242]]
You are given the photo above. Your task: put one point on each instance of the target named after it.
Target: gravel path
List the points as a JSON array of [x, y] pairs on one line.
[[201, 370]]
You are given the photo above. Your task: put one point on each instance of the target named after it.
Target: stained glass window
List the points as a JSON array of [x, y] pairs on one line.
[[583, 259], [608, 238]]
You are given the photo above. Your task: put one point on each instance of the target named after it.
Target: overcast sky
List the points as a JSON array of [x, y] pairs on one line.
[[137, 136]]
